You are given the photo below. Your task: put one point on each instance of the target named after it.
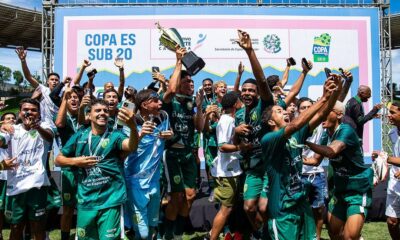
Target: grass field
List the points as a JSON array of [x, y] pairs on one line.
[[372, 230]]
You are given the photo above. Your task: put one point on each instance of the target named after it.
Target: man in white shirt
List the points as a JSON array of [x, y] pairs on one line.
[[393, 189], [29, 144], [48, 108], [226, 167]]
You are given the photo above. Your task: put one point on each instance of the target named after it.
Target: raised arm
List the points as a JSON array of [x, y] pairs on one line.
[[238, 77], [285, 75], [22, 56], [306, 116], [346, 85], [62, 112], [298, 84], [326, 109], [199, 117], [119, 62], [81, 114], [78, 77], [245, 43], [176, 76]]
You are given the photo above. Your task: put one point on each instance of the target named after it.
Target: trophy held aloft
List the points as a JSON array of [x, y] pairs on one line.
[[169, 39]]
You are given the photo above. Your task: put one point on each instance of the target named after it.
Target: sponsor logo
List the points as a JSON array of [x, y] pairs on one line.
[[321, 47], [272, 43], [200, 41]]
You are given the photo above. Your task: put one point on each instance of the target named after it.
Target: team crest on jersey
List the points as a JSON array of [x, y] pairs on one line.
[[254, 116], [81, 232], [33, 134], [67, 196], [177, 179], [105, 142], [292, 143]]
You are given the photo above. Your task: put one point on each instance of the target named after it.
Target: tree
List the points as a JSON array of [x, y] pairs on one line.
[[5, 75], [17, 75]]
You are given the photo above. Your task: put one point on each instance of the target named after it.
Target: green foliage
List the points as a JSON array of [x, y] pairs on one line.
[[18, 77], [5, 74]]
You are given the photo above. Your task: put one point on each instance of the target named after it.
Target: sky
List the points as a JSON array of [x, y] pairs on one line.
[[9, 58]]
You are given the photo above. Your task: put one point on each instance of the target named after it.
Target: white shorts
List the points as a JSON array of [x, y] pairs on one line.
[[393, 204]]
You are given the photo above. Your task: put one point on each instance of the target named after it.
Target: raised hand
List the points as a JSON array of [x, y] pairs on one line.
[[306, 68], [21, 52], [199, 98], [127, 116], [86, 63], [240, 68], [119, 63], [244, 40], [180, 52]]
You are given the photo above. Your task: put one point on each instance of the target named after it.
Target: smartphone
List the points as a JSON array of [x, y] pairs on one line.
[[88, 91], [305, 62], [155, 69], [92, 73], [129, 105], [327, 72], [292, 61], [342, 73]]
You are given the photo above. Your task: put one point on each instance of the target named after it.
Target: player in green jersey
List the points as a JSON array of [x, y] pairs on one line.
[[67, 124], [180, 164], [256, 96], [289, 214], [101, 188], [352, 180]]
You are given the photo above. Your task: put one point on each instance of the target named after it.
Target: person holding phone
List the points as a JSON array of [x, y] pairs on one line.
[[143, 166], [96, 151]]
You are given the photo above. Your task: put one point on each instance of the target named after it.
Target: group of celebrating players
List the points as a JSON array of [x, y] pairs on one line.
[[263, 149]]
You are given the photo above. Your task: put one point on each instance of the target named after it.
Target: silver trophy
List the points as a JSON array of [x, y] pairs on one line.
[[170, 38]]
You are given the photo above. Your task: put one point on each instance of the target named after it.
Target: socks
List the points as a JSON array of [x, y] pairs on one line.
[[179, 225], [169, 229]]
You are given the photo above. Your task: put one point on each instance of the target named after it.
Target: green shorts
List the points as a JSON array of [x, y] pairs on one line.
[[3, 195], [69, 186], [298, 224], [255, 186], [31, 203], [53, 195], [180, 169], [226, 190], [99, 224], [345, 206]]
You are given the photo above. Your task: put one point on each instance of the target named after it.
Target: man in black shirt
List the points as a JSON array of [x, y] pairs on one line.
[[354, 115]]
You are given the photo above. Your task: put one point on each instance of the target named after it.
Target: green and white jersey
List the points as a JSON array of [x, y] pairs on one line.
[[350, 172], [101, 186], [181, 115], [283, 158], [31, 151], [252, 160]]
